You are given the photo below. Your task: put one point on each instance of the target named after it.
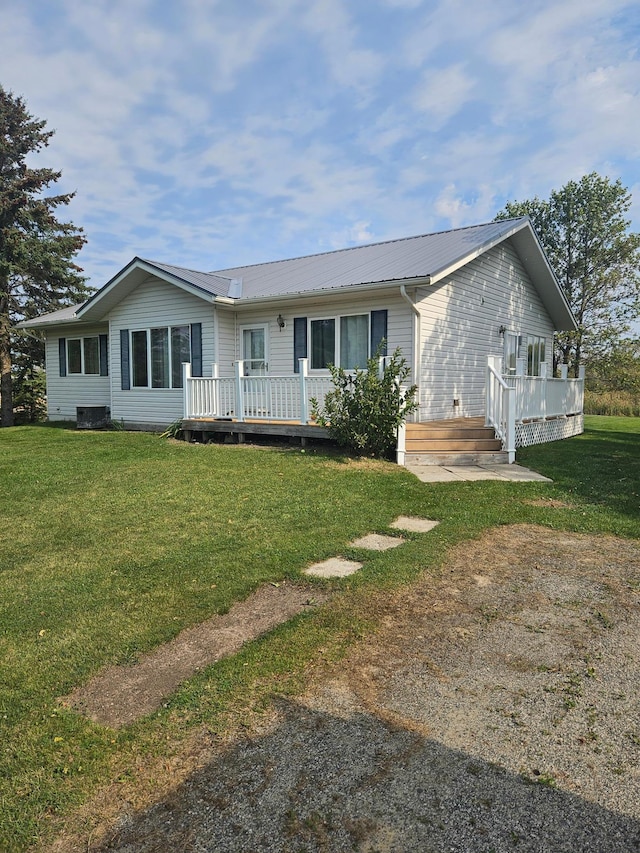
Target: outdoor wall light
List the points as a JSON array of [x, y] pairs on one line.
[[281, 322], [502, 330]]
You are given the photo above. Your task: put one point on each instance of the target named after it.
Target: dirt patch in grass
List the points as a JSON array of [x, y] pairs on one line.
[[496, 708], [119, 695], [553, 503]]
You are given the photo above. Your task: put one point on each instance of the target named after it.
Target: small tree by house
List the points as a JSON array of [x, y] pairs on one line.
[[366, 407]]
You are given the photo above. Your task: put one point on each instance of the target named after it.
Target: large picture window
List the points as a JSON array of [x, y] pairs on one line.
[[157, 355], [340, 340]]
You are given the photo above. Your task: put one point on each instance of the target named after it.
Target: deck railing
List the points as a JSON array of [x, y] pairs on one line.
[[516, 399], [248, 397]]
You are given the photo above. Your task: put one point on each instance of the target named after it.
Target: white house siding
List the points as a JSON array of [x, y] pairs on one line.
[[65, 393], [151, 305], [280, 341], [460, 321]]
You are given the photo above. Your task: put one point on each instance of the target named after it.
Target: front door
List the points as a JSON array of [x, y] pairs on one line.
[[254, 350]]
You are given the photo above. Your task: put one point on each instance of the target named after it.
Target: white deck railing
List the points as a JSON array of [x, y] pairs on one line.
[[273, 398], [517, 398], [500, 411]]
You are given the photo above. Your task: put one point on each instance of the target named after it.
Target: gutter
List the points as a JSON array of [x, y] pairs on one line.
[[415, 367]]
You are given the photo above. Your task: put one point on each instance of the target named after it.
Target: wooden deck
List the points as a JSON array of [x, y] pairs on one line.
[[255, 427]]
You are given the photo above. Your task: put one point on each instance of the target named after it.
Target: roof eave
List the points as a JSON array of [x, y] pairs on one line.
[[389, 284]]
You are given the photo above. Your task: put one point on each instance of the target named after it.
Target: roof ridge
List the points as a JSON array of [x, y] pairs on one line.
[[368, 245]]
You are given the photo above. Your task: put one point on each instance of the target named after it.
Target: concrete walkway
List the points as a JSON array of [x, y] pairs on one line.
[[458, 473]]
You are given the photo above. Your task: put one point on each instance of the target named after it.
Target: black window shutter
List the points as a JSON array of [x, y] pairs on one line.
[[62, 355], [299, 341], [125, 380], [104, 355], [378, 331], [196, 349]]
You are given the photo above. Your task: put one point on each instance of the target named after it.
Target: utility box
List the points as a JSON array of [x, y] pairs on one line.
[[93, 417]]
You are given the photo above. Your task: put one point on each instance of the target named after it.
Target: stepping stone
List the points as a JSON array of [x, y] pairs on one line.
[[377, 542], [413, 525], [335, 567]]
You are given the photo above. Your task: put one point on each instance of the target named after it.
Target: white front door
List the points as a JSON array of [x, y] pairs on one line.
[[254, 350]]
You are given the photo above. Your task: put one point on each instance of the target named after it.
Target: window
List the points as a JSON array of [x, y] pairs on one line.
[[157, 356], [254, 349], [83, 356], [535, 354], [323, 344], [343, 341], [511, 352]]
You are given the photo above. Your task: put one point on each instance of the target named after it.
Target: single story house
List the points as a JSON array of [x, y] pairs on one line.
[[473, 310]]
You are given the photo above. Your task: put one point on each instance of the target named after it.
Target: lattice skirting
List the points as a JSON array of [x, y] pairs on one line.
[[539, 432]]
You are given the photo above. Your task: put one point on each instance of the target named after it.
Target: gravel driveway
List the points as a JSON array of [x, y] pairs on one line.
[[496, 710]]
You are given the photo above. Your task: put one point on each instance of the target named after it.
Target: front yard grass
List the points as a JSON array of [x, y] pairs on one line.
[[114, 542]]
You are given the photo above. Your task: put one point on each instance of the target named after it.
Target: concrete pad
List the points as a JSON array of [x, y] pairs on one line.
[[334, 567], [377, 542], [469, 473], [474, 472], [517, 473], [413, 525], [433, 474]]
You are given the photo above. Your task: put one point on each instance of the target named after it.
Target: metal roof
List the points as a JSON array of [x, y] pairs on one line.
[[408, 258], [425, 258]]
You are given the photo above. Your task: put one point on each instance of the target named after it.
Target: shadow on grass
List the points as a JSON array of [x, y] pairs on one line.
[[319, 782], [601, 467]]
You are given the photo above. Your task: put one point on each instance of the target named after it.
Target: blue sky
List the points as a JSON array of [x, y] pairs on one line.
[[213, 133]]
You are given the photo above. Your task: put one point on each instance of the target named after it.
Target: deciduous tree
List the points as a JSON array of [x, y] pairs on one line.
[[37, 270], [585, 233]]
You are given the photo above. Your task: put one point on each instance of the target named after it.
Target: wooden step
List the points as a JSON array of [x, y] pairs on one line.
[[463, 441], [432, 444], [424, 431], [450, 460]]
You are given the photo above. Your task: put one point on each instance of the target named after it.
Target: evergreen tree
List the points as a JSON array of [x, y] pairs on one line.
[[37, 272], [586, 237]]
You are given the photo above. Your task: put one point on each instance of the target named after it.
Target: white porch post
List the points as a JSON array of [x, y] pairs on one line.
[[186, 388], [401, 445], [239, 377], [304, 400], [510, 418], [564, 371], [543, 401], [216, 390]]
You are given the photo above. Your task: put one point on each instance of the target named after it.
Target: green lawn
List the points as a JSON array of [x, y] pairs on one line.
[[114, 542]]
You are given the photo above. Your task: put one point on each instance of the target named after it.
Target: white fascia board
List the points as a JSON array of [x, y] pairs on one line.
[[119, 280], [480, 250], [322, 293]]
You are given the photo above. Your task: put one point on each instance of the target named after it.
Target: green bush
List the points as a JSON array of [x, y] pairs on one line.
[[366, 407]]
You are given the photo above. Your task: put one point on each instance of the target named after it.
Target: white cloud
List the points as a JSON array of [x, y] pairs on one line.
[[442, 93]]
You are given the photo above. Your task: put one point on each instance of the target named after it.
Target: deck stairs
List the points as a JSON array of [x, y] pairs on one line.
[[461, 441]]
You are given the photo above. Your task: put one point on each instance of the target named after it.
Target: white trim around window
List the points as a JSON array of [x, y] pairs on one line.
[[83, 356], [157, 354], [342, 339]]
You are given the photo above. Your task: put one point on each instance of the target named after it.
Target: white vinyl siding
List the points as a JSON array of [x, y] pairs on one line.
[[461, 318], [65, 393], [280, 357], [154, 305]]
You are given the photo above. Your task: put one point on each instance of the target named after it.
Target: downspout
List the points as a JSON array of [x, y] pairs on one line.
[[415, 367]]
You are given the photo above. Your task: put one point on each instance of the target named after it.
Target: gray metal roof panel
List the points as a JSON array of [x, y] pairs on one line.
[[62, 315], [213, 283], [406, 258]]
